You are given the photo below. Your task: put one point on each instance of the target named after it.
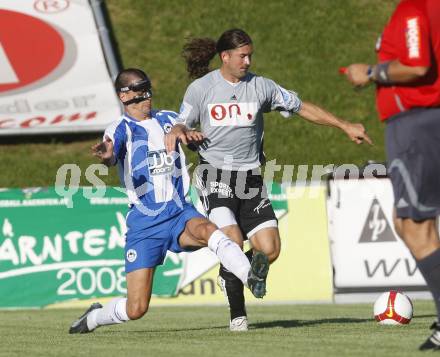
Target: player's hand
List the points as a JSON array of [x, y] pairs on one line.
[[177, 132], [181, 133], [194, 136], [103, 150], [199, 145], [357, 74], [357, 133]]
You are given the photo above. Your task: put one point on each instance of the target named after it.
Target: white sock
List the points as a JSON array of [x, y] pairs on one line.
[[114, 312], [230, 255]]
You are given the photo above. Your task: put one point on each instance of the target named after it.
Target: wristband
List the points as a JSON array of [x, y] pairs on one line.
[[380, 73], [370, 73]]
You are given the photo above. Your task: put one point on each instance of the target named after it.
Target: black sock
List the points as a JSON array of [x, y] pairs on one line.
[[249, 254], [430, 269], [235, 292]]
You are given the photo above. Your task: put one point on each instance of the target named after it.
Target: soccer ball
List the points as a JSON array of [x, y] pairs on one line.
[[393, 308]]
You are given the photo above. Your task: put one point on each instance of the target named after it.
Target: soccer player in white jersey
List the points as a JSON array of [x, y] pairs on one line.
[[228, 104], [159, 218]]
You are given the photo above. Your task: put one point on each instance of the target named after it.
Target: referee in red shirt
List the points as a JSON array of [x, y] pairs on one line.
[[408, 101]]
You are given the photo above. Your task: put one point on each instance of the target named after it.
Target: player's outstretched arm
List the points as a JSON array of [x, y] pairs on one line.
[[355, 131], [104, 152]]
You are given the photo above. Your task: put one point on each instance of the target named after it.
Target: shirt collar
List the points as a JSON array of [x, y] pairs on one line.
[[130, 118]]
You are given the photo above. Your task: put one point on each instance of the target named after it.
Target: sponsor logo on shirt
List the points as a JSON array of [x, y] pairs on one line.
[[232, 114], [378, 43], [160, 163], [413, 37]]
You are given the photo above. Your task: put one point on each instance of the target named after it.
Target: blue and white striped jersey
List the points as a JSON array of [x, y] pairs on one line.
[[154, 180]]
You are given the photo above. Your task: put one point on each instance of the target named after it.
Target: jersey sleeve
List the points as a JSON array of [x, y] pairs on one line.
[[172, 116], [413, 30], [189, 113], [116, 132], [280, 99]]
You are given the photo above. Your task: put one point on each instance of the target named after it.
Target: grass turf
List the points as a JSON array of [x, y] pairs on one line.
[[276, 330], [299, 44]]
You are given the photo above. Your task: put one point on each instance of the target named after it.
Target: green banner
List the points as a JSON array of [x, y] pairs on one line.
[[50, 253], [55, 248]]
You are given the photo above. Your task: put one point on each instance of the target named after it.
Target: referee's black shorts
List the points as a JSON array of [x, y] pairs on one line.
[[235, 197], [413, 158]]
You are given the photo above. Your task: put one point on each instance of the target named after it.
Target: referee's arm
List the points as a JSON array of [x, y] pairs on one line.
[[392, 72]]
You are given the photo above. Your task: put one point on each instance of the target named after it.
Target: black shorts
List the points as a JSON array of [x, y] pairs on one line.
[[235, 197], [413, 158]]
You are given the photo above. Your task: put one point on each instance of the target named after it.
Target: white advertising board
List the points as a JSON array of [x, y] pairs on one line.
[[53, 74], [366, 251]]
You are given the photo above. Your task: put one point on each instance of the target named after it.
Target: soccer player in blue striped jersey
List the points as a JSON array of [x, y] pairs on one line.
[[159, 218]]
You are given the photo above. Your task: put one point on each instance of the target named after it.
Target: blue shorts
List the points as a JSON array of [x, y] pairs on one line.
[[148, 239]]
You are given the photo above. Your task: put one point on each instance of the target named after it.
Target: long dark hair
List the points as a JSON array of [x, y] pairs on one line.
[[198, 52]]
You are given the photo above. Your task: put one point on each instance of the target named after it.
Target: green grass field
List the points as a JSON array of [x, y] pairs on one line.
[[300, 44], [292, 330]]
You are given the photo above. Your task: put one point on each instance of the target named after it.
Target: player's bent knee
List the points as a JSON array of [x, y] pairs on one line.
[[272, 256], [206, 230]]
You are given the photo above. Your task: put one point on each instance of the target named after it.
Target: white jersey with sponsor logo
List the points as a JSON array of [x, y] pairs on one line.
[[231, 116]]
